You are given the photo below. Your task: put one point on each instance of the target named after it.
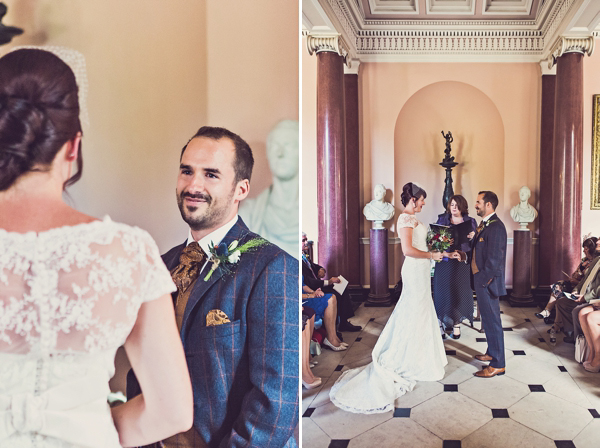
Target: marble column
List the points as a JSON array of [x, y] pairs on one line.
[[546, 179], [568, 153], [352, 174], [331, 153]]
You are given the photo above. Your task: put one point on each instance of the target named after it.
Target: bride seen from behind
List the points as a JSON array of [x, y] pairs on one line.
[[409, 348], [74, 288]]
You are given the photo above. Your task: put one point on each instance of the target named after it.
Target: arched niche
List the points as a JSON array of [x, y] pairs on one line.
[[478, 146]]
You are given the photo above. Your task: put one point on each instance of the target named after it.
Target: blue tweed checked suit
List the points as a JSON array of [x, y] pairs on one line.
[[490, 257], [244, 373]]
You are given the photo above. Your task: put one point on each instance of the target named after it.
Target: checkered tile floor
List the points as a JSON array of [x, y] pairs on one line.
[[545, 399]]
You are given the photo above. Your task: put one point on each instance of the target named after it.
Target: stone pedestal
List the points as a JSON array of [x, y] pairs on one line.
[[379, 295], [521, 293]]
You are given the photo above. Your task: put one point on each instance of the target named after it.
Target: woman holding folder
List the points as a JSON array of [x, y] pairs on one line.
[[452, 293]]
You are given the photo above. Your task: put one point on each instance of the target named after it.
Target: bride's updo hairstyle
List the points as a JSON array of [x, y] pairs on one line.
[[39, 113], [411, 190]]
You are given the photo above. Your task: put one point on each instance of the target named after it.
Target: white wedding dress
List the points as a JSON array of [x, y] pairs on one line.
[[69, 298], [410, 347]]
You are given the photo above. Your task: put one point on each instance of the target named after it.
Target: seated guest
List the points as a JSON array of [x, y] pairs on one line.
[[590, 324], [591, 249], [325, 307], [309, 381], [313, 274], [587, 289]]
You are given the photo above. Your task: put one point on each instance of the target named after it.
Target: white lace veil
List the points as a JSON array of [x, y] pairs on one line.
[[75, 60]]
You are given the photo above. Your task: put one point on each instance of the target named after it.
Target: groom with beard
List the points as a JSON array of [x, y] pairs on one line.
[[488, 261], [236, 309]]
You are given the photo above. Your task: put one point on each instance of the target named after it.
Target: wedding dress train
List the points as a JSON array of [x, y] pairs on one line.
[[409, 348]]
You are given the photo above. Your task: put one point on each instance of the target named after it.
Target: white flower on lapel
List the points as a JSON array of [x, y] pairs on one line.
[[234, 257], [224, 255]]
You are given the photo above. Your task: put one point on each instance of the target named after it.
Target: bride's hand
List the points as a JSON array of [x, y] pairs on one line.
[[437, 256]]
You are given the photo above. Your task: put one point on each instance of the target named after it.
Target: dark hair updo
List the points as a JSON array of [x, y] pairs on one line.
[[39, 113], [410, 191], [590, 245]]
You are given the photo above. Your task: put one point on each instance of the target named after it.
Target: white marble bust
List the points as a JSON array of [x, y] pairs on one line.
[[378, 210], [274, 213], [523, 212]]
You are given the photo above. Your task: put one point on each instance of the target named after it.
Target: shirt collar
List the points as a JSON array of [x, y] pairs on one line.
[[488, 216], [215, 236]]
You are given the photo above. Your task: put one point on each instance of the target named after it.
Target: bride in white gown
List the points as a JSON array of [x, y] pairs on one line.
[[73, 288], [409, 348]]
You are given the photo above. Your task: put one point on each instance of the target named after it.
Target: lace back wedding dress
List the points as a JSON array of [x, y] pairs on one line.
[[409, 348], [69, 298]]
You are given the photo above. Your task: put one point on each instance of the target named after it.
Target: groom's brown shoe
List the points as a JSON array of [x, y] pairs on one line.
[[489, 372], [483, 357]]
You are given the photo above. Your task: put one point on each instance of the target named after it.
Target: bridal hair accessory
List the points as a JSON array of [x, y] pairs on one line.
[[228, 256], [586, 237], [415, 190], [76, 62]]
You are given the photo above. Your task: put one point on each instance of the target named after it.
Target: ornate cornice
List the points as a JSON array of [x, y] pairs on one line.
[[566, 44], [385, 39], [316, 43]]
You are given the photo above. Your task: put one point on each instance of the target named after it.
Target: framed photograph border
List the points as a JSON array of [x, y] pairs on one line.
[[595, 181]]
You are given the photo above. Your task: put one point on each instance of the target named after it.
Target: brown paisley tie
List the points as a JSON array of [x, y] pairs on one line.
[[185, 274]]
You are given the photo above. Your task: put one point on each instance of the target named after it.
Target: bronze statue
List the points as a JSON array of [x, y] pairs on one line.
[[449, 139]]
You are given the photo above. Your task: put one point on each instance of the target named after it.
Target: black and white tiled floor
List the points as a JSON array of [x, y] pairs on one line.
[[545, 399]]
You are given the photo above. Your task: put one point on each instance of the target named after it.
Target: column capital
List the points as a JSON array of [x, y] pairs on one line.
[[331, 42], [565, 44], [547, 70], [352, 67]]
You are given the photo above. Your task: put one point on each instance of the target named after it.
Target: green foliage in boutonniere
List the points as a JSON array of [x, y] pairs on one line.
[[489, 221], [228, 256]]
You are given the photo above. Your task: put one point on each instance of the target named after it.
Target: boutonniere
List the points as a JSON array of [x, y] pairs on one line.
[[228, 256], [489, 221]]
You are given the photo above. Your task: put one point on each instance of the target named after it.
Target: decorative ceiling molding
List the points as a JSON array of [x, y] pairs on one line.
[[461, 7], [571, 45], [502, 7], [394, 6], [399, 40]]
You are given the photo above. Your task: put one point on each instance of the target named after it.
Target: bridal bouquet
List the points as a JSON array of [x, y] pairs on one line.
[[439, 240]]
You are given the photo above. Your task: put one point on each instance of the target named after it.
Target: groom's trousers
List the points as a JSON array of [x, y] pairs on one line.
[[489, 307]]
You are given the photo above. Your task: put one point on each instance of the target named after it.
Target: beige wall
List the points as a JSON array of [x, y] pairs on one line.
[[157, 73]]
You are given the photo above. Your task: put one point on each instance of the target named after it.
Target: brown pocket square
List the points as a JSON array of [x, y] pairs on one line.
[[216, 317], [481, 240]]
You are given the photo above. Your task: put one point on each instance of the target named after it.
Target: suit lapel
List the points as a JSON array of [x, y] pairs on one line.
[[201, 287]]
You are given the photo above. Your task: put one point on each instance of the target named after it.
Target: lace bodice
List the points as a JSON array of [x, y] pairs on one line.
[[69, 298], [419, 236]]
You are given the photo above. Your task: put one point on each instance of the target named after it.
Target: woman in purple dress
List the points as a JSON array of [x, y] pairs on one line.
[[452, 293]]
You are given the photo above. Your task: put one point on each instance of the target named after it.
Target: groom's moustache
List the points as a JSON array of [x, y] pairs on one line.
[[203, 196]]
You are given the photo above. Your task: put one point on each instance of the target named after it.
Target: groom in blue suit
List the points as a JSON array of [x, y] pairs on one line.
[[488, 261], [238, 318]]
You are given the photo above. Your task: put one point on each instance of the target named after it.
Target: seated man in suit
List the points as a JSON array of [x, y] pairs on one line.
[[313, 277]]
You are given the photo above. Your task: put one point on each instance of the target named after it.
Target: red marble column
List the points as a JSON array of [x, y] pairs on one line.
[[331, 163], [546, 181], [566, 168], [354, 211]]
